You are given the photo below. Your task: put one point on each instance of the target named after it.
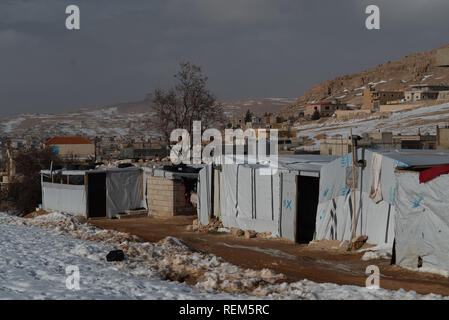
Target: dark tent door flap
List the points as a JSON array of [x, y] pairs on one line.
[[96, 195], [307, 203]]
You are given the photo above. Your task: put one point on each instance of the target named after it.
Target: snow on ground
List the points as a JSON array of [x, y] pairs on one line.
[[33, 266], [382, 251], [36, 252], [9, 125], [404, 122]]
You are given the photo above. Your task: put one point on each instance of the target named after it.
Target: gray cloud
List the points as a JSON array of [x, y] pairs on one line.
[[248, 48]]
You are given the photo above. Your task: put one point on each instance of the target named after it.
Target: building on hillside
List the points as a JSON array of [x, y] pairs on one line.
[[256, 122], [442, 142], [325, 108], [271, 119], [442, 58], [418, 141], [443, 95], [72, 147], [373, 99], [335, 146], [338, 146], [424, 92], [379, 140]]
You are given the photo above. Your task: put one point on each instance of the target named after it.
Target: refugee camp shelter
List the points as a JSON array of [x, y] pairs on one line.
[[422, 219], [376, 193], [94, 193], [169, 189], [280, 198]]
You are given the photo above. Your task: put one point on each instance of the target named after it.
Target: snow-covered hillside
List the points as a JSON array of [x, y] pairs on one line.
[[36, 252], [424, 119], [126, 119]]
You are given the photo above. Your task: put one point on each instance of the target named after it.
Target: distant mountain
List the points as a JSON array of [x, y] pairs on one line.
[[125, 118]]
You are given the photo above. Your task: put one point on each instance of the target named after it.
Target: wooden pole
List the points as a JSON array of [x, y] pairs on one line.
[[354, 191]]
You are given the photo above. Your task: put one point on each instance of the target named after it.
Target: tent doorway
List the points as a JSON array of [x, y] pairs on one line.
[[308, 189], [96, 195]]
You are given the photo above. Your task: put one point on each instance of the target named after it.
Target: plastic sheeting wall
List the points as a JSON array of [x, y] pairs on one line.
[[249, 200], [422, 221], [123, 191], [335, 209], [146, 173], [288, 206], [204, 195], [65, 198]]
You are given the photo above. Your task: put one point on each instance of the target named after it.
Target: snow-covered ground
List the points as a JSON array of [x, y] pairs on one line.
[[424, 119], [382, 251], [33, 266], [36, 252]]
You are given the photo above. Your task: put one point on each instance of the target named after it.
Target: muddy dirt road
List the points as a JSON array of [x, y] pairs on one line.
[[297, 261]]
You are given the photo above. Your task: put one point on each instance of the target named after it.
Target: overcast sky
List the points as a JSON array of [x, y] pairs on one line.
[[248, 48]]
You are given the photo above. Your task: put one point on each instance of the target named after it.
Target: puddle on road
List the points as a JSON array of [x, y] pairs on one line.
[[302, 260], [271, 252]]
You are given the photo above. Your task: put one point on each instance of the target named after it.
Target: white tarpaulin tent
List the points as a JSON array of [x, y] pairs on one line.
[[422, 221], [123, 190], [64, 198], [250, 199], [98, 193], [375, 197]]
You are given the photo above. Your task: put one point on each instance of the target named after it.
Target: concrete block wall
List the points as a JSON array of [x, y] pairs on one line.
[[166, 197]]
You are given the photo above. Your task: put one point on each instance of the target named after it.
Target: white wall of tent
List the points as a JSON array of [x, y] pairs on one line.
[[101, 192], [387, 202]]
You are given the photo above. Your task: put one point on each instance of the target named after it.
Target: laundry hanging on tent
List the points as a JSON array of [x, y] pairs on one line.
[[189, 186], [375, 187], [432, 173]]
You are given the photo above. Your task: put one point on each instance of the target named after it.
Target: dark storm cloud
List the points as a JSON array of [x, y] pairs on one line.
[[248, 48]]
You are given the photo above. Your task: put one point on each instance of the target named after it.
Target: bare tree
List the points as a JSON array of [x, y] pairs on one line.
[[23, 193], [189, 100]]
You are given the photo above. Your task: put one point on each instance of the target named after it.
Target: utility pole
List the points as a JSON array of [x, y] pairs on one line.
[[354, 191], [8, 158]]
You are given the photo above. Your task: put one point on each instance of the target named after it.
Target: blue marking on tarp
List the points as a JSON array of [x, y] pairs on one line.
[[325, 192], [287, 204], [393, 195], [345, 161], [344, 191], [417, 203], [322, 214], [398, 163]]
